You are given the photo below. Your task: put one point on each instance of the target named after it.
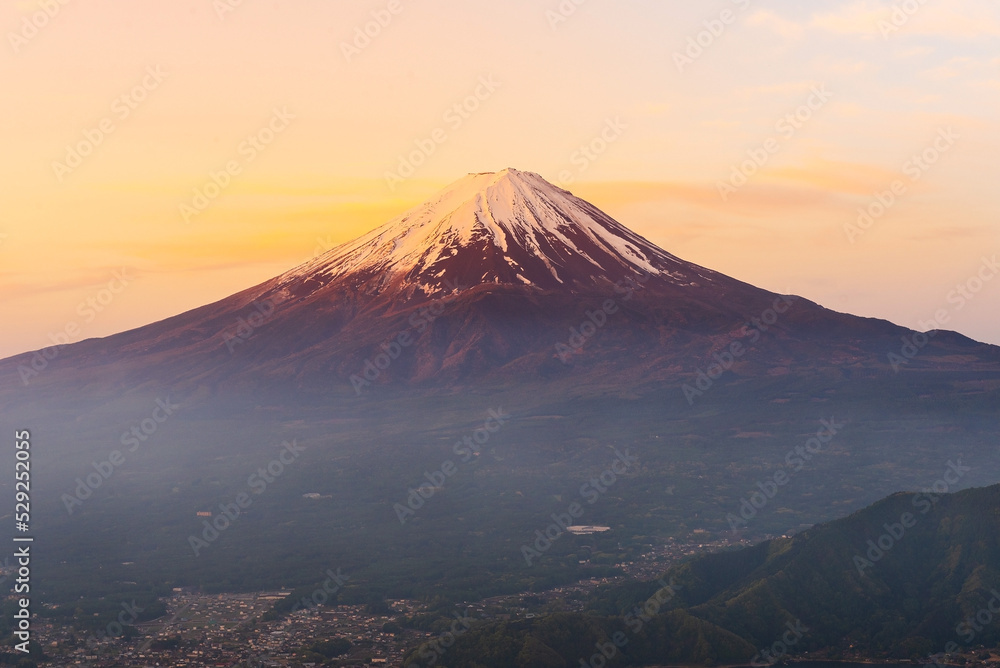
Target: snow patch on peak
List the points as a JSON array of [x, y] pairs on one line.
[[518, 214]]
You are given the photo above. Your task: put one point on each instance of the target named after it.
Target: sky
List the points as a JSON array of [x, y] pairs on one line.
[[159, 156]]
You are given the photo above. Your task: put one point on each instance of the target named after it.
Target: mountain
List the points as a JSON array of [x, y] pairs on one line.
[[501, 277], [498, 346], [913, 576]]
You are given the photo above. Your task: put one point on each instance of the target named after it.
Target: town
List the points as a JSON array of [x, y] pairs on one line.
[[235, 629]]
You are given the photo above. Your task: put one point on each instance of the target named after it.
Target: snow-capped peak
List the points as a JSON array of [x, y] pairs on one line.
[[495, 227]]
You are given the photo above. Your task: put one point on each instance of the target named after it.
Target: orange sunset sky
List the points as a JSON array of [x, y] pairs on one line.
[[117, 113]]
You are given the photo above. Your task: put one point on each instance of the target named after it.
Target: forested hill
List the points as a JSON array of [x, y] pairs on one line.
[[913, 575]]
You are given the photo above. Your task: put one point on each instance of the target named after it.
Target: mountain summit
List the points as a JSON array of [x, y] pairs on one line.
[[507, 227]]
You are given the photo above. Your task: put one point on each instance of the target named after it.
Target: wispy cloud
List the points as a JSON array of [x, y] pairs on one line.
[[856, 18], [786, 28], [848, 178], [950, 19]]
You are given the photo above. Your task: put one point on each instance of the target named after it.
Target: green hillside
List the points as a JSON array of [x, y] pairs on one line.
[[912, 576]]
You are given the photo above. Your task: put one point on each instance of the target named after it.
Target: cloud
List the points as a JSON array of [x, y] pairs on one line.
[[857, 18], [843, 66], [952, 232], [950, 19], [972, 70], [784, 88], [654, 109], [767, 19], [720, 124], [773, 194], [17, 284], [914, 52], [940, 73], [846, 178]]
